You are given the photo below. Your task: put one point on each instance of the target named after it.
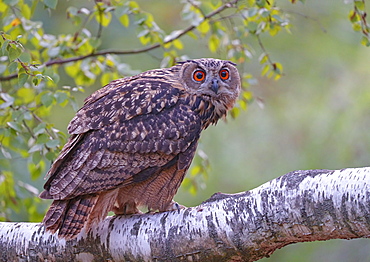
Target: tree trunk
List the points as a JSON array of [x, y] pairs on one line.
[[297, 207]]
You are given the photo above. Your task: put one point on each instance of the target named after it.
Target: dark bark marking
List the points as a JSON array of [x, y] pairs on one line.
[[292, 179]]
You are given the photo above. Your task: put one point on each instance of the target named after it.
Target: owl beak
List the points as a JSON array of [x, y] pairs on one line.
[[214, 85]]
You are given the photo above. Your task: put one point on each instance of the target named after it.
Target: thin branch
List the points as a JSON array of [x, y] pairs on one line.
[[309, 18], [264, 49], [181, 33], [8, 78], [88, 16], [28, 129], [100, 28]]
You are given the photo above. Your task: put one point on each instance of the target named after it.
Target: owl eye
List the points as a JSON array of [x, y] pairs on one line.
[[224, 74], [199, 75]]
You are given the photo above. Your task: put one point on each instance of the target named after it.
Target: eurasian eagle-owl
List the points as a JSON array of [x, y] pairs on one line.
[[133, 141]]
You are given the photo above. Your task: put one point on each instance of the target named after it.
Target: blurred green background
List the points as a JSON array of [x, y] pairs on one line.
[[317, 116]]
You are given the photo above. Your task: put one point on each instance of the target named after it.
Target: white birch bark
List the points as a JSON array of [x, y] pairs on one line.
[[297, 207]]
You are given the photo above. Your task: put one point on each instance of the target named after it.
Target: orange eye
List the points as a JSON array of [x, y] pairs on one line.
[[199, 75], [224, 74]]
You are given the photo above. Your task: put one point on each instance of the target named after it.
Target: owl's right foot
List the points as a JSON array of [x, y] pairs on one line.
[[129, 208]]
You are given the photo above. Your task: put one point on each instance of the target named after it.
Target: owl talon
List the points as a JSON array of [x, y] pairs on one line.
[[173, 206], [178, 207]]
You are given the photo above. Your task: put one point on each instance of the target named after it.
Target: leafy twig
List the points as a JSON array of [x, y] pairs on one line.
[[364, 26], [181, 33]]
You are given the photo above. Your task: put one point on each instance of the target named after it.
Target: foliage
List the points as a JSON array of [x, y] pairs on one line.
[[357, 16], [32, 63]]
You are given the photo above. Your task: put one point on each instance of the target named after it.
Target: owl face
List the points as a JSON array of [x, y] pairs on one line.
[[211, 78]]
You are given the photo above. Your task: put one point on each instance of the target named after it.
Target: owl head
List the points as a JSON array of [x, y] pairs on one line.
[[217, 81]]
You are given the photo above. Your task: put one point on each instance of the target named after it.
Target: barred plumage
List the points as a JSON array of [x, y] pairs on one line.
[[133, 141]]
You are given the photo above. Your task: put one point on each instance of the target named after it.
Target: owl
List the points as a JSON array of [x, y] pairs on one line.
[[133, 141]]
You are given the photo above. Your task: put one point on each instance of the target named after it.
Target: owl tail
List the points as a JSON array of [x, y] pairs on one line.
[[69, 216]]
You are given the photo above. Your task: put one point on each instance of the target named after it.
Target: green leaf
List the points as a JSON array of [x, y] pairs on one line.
[[35, 169], [22, 79], [203, 27], [5, 153], [4, 46], [61, 97], [9, 100], [47, 99], [125, 20], [35, 148], [360, 5], [252, 27], [353, 16], [103, 18], [12, 67], [178, 44], [235, 112], [36, 157], [143, 33], [51, 3], [144, 40], [356, 27], [278, 68], [213, 43], [2, 69], [15, 126], [263, 58], [27, 95], [133, 5], [121, 10], [52, 143], [265, 70], [11, 2], [50, 156], [365, 41], [42, 139], [192, 35], [252, 11], [73, 69], [95, 42], [105, 79], [39, 129], [54, 51], [14, 53], [36, 81], [25, 57], [26, 11]]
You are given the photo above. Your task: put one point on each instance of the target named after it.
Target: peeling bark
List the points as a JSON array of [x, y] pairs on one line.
[[297, 207]]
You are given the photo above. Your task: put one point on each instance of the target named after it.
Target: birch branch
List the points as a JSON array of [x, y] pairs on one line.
[[297, 207]]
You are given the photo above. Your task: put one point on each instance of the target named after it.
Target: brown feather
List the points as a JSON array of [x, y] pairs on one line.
[[76, 215], [55, 214]]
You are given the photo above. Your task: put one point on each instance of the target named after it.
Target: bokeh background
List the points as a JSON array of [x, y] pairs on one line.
[[317, 116]]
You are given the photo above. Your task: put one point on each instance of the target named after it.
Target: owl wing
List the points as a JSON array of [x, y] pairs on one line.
[[124, 99], [123, 137]]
